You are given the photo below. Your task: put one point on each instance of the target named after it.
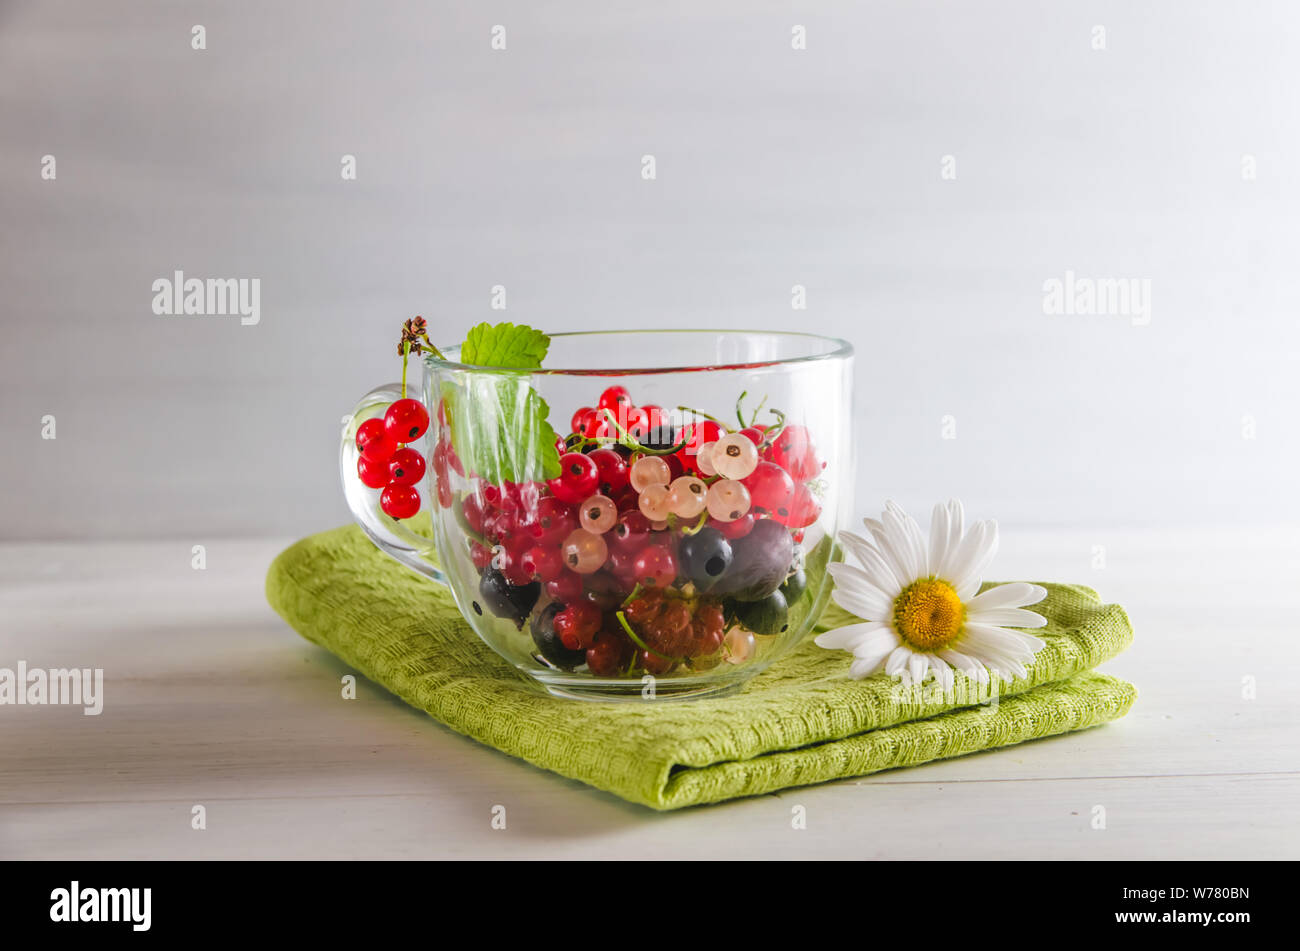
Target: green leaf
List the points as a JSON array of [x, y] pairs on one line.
[[499, 423], [505, 345]]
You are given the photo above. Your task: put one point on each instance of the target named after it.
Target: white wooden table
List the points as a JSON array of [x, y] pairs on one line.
[[211, 700]]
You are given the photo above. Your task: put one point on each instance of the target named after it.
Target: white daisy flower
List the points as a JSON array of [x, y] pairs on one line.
[[919, 604]]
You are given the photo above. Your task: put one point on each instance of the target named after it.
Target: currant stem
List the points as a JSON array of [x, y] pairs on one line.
[[628, 441], [695, 529], [406, 352], [769, 437], [429, 343]]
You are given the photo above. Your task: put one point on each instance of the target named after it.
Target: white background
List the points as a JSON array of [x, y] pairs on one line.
[[775, 167]]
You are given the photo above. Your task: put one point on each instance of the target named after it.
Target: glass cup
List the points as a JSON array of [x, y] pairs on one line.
[[604, 576]]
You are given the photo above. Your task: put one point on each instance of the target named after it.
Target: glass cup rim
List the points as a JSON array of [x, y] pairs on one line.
[[840, 350]]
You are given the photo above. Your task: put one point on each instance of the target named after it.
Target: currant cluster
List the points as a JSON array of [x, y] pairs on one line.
[[651, 542], [387, 462]]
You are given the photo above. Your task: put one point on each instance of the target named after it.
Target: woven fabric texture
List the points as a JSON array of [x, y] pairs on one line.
[[802, 721]]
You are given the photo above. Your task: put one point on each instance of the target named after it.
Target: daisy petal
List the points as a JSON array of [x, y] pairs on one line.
[[1029, 643], [999, 660], [1015, 594], [956, 530], [917, 665], [882, 642], [865, 667], [1009, 669], [938, 538], [967, 665], [906, 535], [996, 638], [855, 579], [967, 574], [942, 672], [1008, 617], [893, 548], [897, 661], [882, 575], [848, 637], [868, 606]]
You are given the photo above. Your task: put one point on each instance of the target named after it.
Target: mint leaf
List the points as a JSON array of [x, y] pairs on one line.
[[499, 423], [505, 345]]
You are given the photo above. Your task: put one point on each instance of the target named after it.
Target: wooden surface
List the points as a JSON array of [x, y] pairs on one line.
[[210, 699]]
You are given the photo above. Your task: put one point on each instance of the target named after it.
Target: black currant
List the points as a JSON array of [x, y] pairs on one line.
[[506, 600], [704, 557], [767, 616]]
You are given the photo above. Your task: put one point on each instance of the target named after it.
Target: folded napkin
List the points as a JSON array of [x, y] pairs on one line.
[[801, 721]]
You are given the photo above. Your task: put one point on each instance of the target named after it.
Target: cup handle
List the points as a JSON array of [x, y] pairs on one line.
[[390, 535]]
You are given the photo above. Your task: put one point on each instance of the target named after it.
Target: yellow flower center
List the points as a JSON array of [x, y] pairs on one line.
[[928, 615]]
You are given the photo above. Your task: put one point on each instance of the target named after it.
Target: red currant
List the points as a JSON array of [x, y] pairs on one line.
[[655, 414], [609, 654], [552, 522], [770, 487], [522, 498], [654, 663], [406, 467], [578, 624], [567, 587], [578, 423], [645, 608], [753, 433], [374, 442], [623, 565], [578, 478], [611, 471], [400, 501], [655, 567], [737, 528], [439, 460], [372, 474], [491, 494], [542, 563], [793, 451], [516, 534], [804, 509], [472, 509], [564, 630], [696, 435], [630, 533], [598, 426], [505, 560], [614, 398], [480, 555], [406, 420], [638, 423], [453, 460], [443, 488], [368, 430]]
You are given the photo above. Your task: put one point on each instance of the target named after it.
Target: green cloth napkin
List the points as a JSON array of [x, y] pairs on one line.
[[801, 721]]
